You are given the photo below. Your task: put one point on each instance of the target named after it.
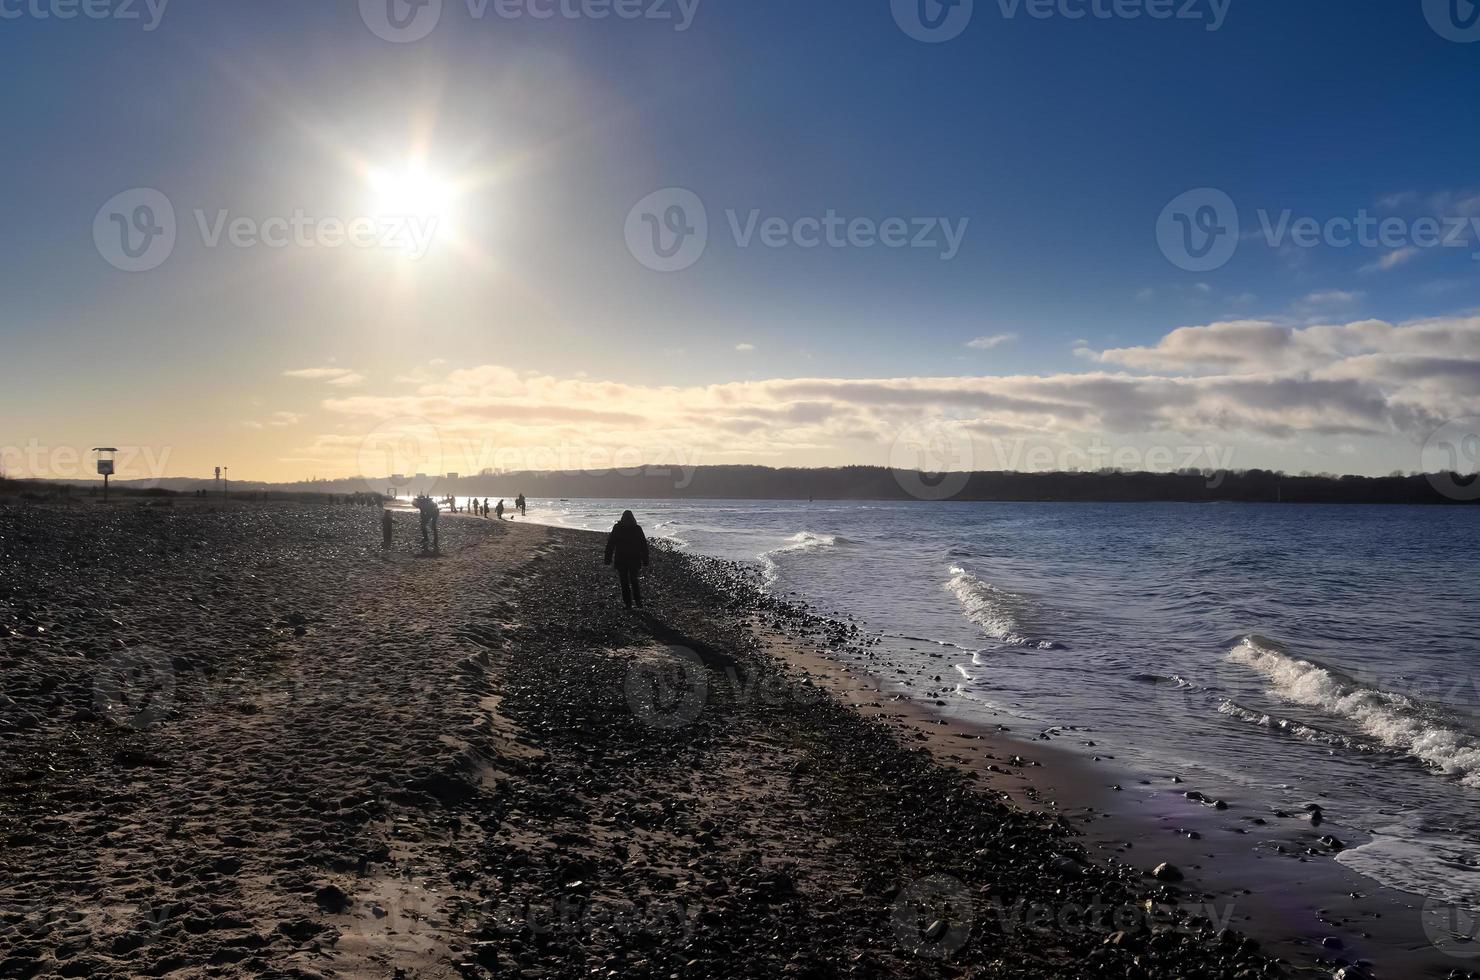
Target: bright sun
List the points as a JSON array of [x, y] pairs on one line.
[[413, 192]]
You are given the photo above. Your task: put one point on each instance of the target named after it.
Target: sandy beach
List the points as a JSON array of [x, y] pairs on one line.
[[252, 743]]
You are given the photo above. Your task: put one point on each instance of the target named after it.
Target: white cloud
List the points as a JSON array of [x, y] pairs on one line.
[[1227, 382], [745, 348], [988, 343], [343, 377], [1391, 260], [1332, 297]]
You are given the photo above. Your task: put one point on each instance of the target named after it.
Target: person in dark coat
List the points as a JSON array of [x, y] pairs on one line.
[[627, 549], [429, 514]]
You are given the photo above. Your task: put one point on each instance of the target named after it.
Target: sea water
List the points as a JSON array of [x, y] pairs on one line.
[[1300, 653]]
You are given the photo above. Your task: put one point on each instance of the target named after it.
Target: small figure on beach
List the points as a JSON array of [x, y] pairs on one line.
[[627, 549], [520, 505], [485, 508], [429, 516], [499, 510]]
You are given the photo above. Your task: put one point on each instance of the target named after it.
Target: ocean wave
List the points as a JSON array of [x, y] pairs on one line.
[[806, 541], [1287, 726], [802, 541], [1393, 720], [1163, 680], [1002, 615]]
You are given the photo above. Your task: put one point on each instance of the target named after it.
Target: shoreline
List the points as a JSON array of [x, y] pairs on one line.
[[1291, 897], [478, 763], [1252, 852]]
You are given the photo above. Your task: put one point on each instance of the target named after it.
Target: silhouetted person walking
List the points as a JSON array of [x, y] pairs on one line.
[[429, 514], [386, 525], [498, 511], [627, 549]]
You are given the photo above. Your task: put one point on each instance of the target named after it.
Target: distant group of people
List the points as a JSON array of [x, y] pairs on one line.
[[357, 499], [626, 545], [431, 511], [498, 510]]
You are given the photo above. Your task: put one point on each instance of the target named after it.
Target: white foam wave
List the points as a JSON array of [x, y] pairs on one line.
[[1000, 614], [1287, 726], [1394, 720], [799, 542], [806, 541]]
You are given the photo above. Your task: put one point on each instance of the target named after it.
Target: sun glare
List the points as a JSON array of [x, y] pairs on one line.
[[414, 192]]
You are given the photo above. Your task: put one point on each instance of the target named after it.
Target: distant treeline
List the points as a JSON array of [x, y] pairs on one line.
[[879, 483]]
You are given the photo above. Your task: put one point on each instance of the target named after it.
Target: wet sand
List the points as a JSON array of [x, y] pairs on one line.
[[252, 743], [1266, 873]]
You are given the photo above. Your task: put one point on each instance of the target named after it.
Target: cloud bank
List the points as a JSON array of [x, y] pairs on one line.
[[1239, 382]]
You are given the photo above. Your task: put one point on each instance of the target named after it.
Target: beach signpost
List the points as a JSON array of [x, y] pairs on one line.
[[105, 466]]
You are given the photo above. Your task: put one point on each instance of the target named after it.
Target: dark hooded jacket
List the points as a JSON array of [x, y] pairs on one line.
[[626, 546]]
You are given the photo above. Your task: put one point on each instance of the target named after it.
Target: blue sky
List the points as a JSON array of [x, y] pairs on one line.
[[1053, 143]]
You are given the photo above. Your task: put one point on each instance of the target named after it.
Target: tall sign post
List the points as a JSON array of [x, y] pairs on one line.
[[105, 466]]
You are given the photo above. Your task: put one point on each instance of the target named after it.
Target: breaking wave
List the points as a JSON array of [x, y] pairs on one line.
[[1394, 720], [1002, 615]]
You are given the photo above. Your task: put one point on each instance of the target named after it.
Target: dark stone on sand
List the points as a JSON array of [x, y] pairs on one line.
[[300, 930], [331, 899], [1166, 871], [447, 790]]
